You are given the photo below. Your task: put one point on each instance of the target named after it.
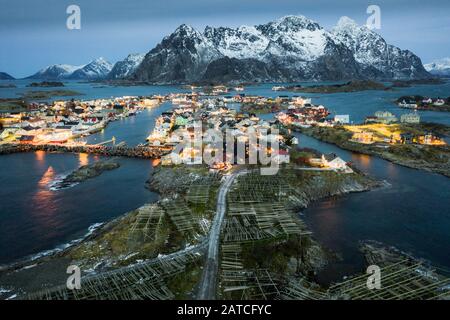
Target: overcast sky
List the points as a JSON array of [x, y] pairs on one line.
[[33, 33]]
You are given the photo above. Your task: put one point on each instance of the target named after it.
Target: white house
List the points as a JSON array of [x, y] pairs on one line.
[[407, 105], [282, 156], [342, 118], [410, 118], [334, 162]]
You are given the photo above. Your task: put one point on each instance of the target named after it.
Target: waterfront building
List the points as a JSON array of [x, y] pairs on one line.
[[382, 117], [342, 119], [410, 118], [407, 104], [334, 162], [282, 156]]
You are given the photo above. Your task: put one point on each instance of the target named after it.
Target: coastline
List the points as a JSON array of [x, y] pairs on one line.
[[329, 136], [62, 255]]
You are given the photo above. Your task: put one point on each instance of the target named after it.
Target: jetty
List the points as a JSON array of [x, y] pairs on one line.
[[142, 151]]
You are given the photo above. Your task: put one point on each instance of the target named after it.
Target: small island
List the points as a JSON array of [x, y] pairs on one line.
[[7, 86], [42, 95], [410, 83], [46, 84], [418, 102], [351, 86], [89, 171]]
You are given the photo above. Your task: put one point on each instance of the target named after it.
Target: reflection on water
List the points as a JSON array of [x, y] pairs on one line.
[[155, 162], [362, 159], [35, 218], [48, 176], [83, 159], [40, 156], [43, 201]]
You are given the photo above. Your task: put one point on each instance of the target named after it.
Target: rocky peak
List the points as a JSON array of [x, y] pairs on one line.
[[289, 24]]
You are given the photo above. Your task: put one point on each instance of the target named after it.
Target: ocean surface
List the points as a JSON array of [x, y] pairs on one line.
[[412, 214]]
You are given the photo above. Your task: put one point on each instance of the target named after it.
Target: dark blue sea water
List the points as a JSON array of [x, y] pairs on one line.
[[88, 90], [35, 218], [413, 214]]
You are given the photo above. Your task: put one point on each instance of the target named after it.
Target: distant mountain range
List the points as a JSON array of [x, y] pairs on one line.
[[98, 69], [292, 48], [126, 67], [5, 76], [439, 67], [95, 70]]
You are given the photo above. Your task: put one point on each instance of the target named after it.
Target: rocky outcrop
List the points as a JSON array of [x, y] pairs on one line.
[[88, 172]]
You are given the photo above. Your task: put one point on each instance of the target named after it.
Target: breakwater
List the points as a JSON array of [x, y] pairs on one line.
[[144, 152]]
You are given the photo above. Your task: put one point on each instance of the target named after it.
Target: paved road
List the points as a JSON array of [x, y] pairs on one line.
[[208, 283]]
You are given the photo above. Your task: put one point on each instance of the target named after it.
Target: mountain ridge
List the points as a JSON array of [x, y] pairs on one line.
[[292, 48], [440, 67], [94, 70], [6, 76]]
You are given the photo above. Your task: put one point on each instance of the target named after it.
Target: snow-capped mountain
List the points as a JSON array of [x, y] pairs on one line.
[[293, 47], [290, 35], [5, 76], [55, 72], [377, 58], [289, 49], [439, 67], [181, 57], [124, 68], [94, 70]]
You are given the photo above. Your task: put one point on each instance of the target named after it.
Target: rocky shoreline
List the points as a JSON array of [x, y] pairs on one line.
[[46, 84], [317, 256], [86, 172], [419, 158]]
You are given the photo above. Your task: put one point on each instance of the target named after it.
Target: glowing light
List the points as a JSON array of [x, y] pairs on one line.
[[40, 156], [83, 159]]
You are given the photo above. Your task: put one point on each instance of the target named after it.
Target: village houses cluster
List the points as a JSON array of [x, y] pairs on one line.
[[64, 122], [192, 112]]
